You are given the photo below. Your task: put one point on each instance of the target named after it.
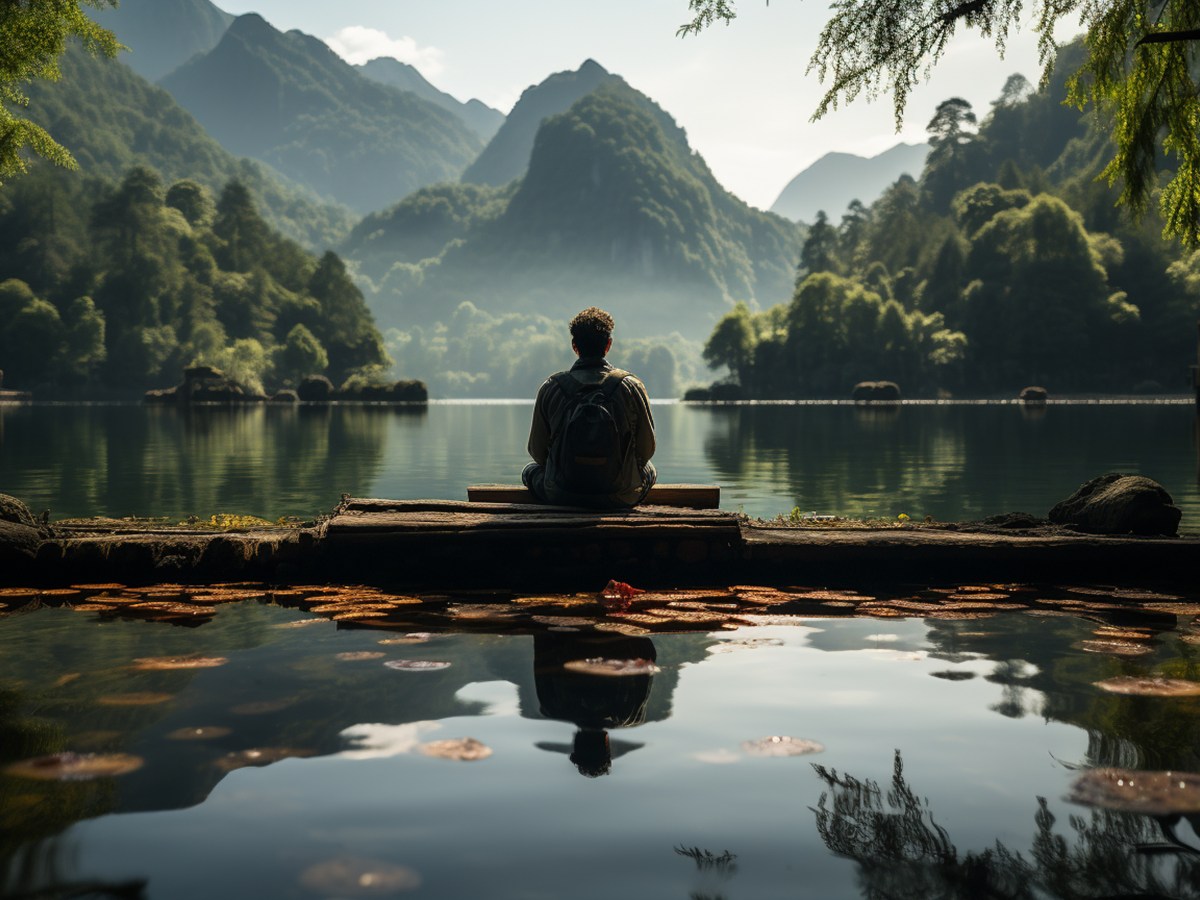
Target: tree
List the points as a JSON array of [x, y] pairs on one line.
[[732, 343], [953, 155], [819, 253], [301, 355], [32, 37], [1140, 71]]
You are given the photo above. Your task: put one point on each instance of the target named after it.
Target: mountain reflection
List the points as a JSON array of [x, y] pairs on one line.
[[902, 852]]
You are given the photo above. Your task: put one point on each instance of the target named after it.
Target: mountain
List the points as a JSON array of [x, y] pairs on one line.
[[507, 154], [164, 34], [614, 209], [836, 179], [290, 101], [111, 119], [480, 117]]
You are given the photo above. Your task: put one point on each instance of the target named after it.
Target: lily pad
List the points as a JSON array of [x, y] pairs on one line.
[[1149, 793], [612, 667], [75, 766], [416, 637], [1115, 647], [623, 628], [360, 655], [258, 756], [782, 745], [200, 733], [161, 663], [1150, 686], [457, 749], [135, 698], [353, 876], [953, 675], [417, 665]]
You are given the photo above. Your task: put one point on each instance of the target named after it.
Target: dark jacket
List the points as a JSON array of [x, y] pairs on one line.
[[547, 413]]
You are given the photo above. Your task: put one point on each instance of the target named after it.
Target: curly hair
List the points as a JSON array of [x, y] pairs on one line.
[[590, 330]]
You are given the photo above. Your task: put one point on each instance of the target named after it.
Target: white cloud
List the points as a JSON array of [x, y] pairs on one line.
[[357, 44]]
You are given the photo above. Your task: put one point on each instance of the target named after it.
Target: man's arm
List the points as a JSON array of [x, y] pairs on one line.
[[539, 429], [644, 422]]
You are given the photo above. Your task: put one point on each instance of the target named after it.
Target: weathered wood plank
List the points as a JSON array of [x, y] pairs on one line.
[[377, 506], [400, 522], [693, 496]]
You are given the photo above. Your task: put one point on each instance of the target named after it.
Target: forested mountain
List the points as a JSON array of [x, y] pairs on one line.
[[836, 179], [480, 117], [111, 119], [164, 34], [107, 286], [290, 101], [507, 154], [1006, 264], [615, 209]]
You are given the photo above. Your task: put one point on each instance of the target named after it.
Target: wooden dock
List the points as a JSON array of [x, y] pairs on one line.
[[440, 544]]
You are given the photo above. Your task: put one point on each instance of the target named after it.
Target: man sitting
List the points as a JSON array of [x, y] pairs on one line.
[[592, 434]]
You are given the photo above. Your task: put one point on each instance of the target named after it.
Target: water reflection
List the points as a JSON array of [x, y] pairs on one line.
[[595, 704], [901, 851]]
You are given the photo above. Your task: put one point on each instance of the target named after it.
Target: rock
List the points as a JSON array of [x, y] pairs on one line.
[[315, 388], [1014, 520], [164, 395], [201, 373], [875, 390], [20, 536], [1033, 394], [285, 396], [1119, 504]]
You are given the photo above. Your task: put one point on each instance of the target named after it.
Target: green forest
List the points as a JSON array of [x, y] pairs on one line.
[[1005, 264], [112, 287]]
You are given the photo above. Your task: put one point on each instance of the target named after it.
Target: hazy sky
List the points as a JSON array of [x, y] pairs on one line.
[[740, 91]]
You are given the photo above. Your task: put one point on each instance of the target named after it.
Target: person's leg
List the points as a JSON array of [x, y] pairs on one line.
[[533, 476]]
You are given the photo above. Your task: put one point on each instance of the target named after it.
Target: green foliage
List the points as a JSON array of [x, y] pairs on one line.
[[33, 37], [1139, 72], [111, 119], [615, 209], [145, 279]]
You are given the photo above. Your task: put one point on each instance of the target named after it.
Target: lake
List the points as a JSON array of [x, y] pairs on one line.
[[949, 461], [835, 757]]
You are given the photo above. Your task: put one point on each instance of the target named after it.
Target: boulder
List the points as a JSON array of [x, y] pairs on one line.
[[1033, 394], [199, 373], [161, 395], [315, 388], [20, 536], [875, 390], [1119, 504]]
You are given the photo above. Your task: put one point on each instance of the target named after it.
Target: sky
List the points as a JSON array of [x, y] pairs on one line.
[[741, 91]]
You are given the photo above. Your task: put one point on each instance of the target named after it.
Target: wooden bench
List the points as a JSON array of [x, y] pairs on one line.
[[691, 496]]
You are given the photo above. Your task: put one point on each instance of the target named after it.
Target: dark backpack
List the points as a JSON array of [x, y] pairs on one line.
[[590, 447]]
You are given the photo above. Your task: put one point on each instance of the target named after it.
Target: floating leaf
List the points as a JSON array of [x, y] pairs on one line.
[[136, 698], [1115, 647], [574, 621], [1125, 634], [1173, 609], [781, 745], [360, 655], [200, 733], [91, 607], [416, 637], [106, 586], [1150, 686], [263, 707], [61, 593], [258, 756], [622, 628], [64, 680], [417, 665], [763, 619], [353, 876], [612, 667], [953, 675], [75, 766], [457, 749], [1149, 793], [832, 595], [743, 644], [160, 663], [358, 615], [299, 623]]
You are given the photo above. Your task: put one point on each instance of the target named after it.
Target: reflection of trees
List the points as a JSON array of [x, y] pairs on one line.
[[952, 462], [902, 852], [266, 461]]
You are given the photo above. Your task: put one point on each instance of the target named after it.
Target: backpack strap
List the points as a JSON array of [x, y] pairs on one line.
[[567, 383]]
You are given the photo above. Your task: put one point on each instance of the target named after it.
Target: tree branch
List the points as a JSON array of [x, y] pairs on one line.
[[1169, 37]]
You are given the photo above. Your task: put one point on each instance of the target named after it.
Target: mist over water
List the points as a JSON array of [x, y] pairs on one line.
[[949, 461]]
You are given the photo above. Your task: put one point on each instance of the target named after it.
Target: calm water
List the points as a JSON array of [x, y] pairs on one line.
[[948, 749], [951, 462]]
